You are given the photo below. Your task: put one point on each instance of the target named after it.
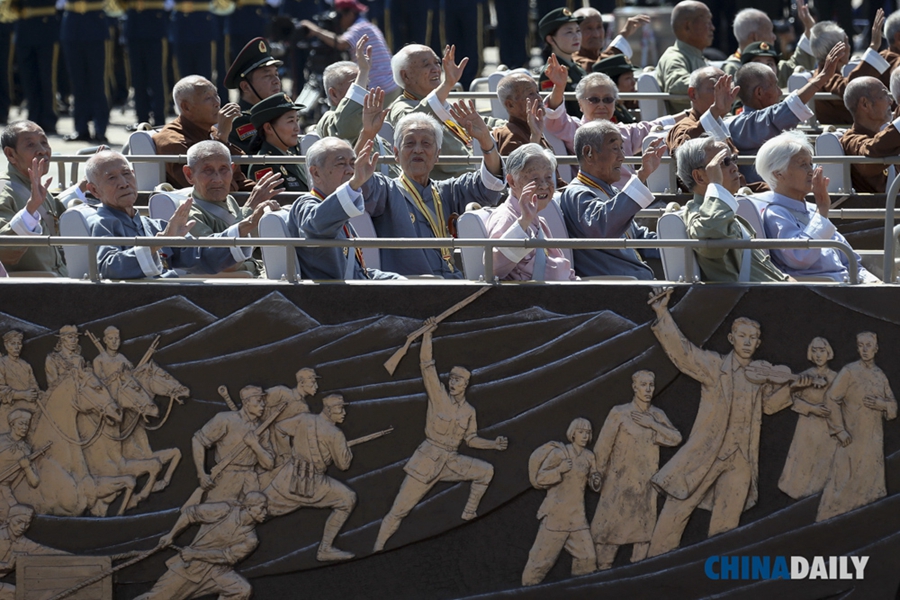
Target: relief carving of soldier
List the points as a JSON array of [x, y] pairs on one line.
[[316, 443], [18, 387], [449, 421], [14, 544], [65, 356], [14, 461], [296, 399], [228, 431], [865, 398], [564, 470], [627, 454], [227, 536], [109, 362]]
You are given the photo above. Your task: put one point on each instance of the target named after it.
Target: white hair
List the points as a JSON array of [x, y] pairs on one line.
[[185, 89], [704, 73], [94, 163], [400, 61], [315, 156], [202, 151], [775, 155], [412, 119], [592, 79], [892, 27], [692, 155], [859, 88], [747, 22], [751, 76], [518, 159], [592, 135], [823, 37], [511, 84], [336, 72]]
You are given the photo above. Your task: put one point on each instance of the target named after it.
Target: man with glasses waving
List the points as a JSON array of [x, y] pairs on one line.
[[709, 170]]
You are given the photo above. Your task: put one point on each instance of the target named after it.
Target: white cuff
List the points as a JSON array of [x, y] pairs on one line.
[[239, 254], [804, 44], [638, 192], [622, 45], [714, 190], [800, 110], [896, 123], [515, 233], [356, 93], [820, 228], [666, 121], [555, 113], [489, 180], [148, 261], [876, 60], [351, 200], [24, 223], [440, 110], [713, 126]]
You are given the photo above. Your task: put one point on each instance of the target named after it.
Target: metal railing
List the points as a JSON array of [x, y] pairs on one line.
[[622, 96], [488, 244]]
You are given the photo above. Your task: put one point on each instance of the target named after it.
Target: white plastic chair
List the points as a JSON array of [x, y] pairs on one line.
[[751, 210], [795, 83], [308, 140], [73, 223], [663, 179], [829, 144], [557, 224], [679, 264], [473, 224], [387, 132], [845, 70], [650, 109], [366, 229], [148, 175], [162, 205], [274, 225], [567, 172]]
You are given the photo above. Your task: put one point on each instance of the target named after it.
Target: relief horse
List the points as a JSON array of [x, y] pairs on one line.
[[67, 486]]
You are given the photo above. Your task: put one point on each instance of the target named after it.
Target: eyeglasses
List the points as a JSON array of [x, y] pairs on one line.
[[595, 100], [729, 160]]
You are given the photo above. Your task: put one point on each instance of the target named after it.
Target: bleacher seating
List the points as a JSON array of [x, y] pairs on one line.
[[274, 225]]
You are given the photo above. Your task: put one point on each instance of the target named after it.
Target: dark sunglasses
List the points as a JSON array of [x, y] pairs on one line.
[[729, 160], [596, 100]]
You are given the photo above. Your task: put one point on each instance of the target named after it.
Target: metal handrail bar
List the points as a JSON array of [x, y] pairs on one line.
[[622, 96], [431, 243]]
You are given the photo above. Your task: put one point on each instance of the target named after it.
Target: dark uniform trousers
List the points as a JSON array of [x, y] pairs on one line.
[[86, 42], [248, 21], [221, 59], [193, 35], [37, 53], [6, 83], [512, 33], [412, 22], [146, 35], [462, 24]]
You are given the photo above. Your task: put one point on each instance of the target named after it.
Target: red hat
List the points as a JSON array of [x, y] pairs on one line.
[[350, 5]]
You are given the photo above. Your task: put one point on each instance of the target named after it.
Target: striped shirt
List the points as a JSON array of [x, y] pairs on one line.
[[380, 74]]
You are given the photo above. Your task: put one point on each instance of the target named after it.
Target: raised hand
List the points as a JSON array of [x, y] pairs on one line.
[[659, 299], [38, 189], [227, 115], [452, 70], [465, 114], [557, 74], [265, 189], [251, 222], [374, 113], [714, 168], [836, 57], [180, 224], [877, 30], [651, 159], [820, 192], [725, 94], [528, 205], [633, 24], [364, 166], [565, 466], [804, 16], [363, 60], [535, 111]]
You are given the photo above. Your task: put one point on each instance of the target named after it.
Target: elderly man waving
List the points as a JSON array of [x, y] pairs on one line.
[[111, 178], [414, 205]]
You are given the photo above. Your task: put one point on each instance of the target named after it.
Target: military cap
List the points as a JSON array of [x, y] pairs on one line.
[[20, 510], [12, 334], [271, 108], [555, 19], [756, 50], [307, 372], [67, 330], [254, 55], [460, 372], [614, 66], [251, 391], [19, 413], [333, 401]]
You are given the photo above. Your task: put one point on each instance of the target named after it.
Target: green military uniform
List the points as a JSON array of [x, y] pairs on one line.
[[673, 72], [714, 218], [216, 217], [253, 56], [293, 174], [801, 58], [549, 25], [14, 196]]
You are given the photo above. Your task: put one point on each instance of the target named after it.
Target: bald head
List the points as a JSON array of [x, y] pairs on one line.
[[593, 36], [692, 23], [702, 88], [755, 81], [514, 90], [869, 101], [416, 69]]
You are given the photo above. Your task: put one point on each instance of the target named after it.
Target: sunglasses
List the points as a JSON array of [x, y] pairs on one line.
[[595, 100], [730, 160]]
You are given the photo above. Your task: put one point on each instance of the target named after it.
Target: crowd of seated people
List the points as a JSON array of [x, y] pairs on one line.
[[735, 107]]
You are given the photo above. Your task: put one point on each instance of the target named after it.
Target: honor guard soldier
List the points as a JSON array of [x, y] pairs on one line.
[[410, 22], [561, 34], [146, 36], [277, 123], [37, 51], [84, 36], [462, 24], [248, 21], [255, 73], [194, 35]]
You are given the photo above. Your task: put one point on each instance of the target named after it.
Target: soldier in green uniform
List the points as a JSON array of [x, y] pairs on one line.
[[278, 134], [255, 73], [561, 32]]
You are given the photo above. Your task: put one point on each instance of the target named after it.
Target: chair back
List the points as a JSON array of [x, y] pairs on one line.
[[679, 264], [274, 225]]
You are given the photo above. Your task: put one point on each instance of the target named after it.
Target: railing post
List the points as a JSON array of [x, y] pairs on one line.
[[290, 264], [890, 202], [488, 263], [93, 271]]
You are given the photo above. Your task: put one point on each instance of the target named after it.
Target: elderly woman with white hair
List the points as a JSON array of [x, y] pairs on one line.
[[597, 95], [415, 205], [786, 164], [529, 173]]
